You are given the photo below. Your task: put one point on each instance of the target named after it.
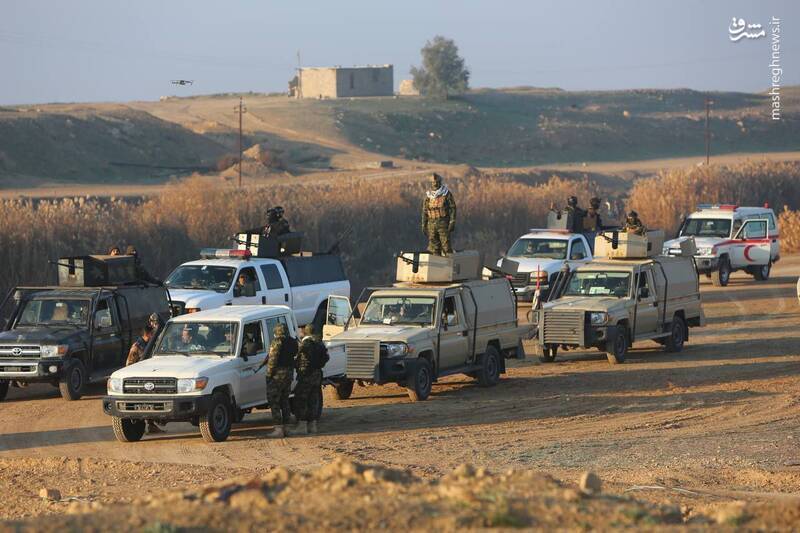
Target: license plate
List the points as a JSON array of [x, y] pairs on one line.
[[13, 369], [144, 406]]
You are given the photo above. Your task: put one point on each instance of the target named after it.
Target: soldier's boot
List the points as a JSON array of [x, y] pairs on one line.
[[277, 433], [300, 429], [312, 427]]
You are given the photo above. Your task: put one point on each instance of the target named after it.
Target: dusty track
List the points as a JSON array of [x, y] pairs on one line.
[[721, 418]]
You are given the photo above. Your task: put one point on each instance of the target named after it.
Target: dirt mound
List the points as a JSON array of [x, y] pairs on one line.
[[347, 495]]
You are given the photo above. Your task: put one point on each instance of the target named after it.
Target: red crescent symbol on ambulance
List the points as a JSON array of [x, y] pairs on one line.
[[747, 252]]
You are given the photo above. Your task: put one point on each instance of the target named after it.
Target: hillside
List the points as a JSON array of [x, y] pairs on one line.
[[83, 143]]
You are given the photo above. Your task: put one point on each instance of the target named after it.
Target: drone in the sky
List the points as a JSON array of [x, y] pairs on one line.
[[182, 82]]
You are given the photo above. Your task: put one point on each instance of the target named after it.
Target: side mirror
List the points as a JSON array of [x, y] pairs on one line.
[[104, 321]]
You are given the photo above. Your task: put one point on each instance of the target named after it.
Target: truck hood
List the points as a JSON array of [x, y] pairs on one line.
[[43, 335], [532, 264], [700, 242], [383, 333], [174, 366], [587, 303], [200, 299]]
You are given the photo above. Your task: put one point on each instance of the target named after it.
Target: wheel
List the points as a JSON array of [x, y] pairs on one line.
[[215, 425], [316, 406], [549, 352], [419, 385], [618, 347], [489, 374], [674, 343], [721, 276], [762, 273], [73, 380], [3, 389], [344, 389], [128, 429]]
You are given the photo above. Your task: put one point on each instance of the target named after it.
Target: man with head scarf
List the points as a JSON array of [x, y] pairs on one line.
[[438, 216], [280, 371]]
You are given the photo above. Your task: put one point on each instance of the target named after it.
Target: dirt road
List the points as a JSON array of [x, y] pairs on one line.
[[721, 419]]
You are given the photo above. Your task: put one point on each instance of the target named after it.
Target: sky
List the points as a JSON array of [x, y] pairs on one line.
[[115, 50]]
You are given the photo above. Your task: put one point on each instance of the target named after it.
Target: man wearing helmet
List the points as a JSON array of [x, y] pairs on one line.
[[634, 225], [438, 216], [592, 222], [276, 224]]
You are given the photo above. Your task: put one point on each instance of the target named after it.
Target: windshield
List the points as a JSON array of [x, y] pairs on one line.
[[706, 227], [198, 338], [391, 310], [599, 284], [54, 311], [203, 277], [549, 248]]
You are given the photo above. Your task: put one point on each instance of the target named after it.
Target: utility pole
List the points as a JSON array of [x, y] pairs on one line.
[[709, 101], [241, 110]]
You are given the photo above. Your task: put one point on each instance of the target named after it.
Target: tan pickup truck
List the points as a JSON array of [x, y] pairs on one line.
[[612, 303], [414, 333]]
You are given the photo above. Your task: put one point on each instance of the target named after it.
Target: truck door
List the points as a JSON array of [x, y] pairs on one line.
[[454, 341], [246, 287], [751, 246], [252, 386], [647, 308], [277, 290], [107, 349]]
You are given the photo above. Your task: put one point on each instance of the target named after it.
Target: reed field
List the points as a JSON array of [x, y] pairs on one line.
[[380, 217]]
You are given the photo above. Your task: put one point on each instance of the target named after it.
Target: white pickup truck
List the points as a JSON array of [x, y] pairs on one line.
[[202, 371], [730, 238], [540, 254], [302, 283]]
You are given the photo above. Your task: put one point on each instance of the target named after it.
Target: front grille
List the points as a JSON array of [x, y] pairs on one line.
[[563, 327], [144, 407], [14, 350], [362, 359], [142, 386], [520, 280], [177, 308]]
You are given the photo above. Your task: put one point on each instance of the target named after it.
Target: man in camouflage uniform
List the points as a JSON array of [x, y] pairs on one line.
[[438, 216], [311, 358], [634, 225], [577, 213], [591, 221], [276, 224], [280, 370], [138, 352]]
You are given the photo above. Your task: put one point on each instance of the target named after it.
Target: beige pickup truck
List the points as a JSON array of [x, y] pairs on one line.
[[612, 303], [414, 333]]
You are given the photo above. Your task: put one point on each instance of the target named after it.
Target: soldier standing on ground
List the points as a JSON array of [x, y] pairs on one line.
[[311, 359], [438, 216], [138, 352], [634, 225], [280, 370]]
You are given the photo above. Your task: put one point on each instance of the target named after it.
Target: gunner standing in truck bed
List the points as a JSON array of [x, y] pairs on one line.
[[438, 216]]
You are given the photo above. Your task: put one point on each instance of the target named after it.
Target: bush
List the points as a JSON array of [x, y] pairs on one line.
[[662, 200], [789, 223]]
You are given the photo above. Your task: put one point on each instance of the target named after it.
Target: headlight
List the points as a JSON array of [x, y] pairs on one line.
[[598, 319], [191, 385], [114, 385], [540, 275], [704, 251], [54, 350], [396, 349]]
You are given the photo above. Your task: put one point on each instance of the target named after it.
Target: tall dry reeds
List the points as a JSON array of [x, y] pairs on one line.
[[172, 227], [662, 200]]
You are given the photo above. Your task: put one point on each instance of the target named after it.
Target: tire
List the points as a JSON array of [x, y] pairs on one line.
[[128, 429], [762, 273], [343, 389], [674, 343], [419, 385], [549, 352], [72, 381], [4, 389], [489, 374], [215, 425], [618, 347], [721, 276]]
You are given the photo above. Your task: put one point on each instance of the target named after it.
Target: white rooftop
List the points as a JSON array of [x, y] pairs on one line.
[[233, 313]]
